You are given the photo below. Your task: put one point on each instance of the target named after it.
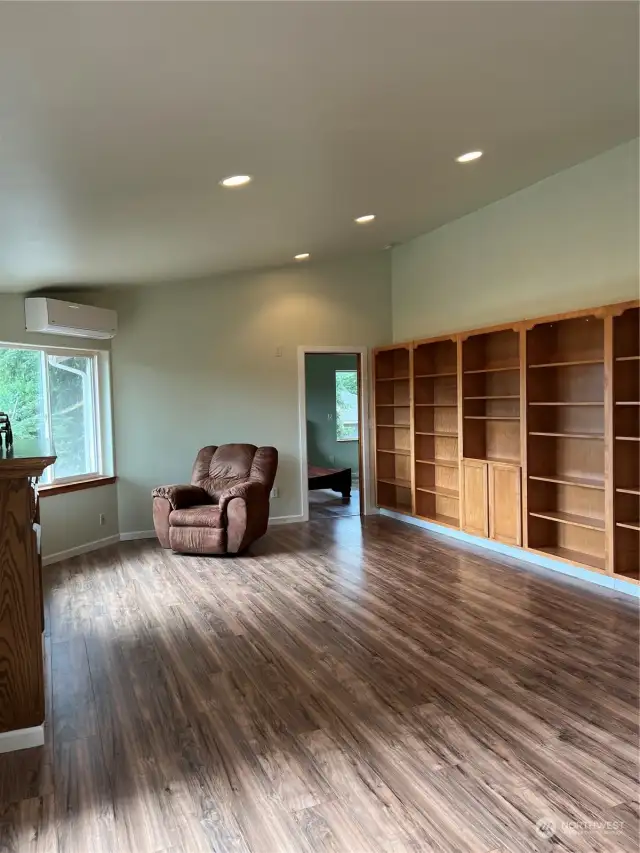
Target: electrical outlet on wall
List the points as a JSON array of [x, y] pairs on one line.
[[103, 519], [275, 492]]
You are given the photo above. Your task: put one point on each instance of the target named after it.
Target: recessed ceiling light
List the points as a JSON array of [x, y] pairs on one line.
[[301, 257], [368, 217], [469, 156], [236, 180]]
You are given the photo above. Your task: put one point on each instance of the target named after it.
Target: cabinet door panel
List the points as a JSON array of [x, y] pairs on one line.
[[505, 504], [475, 504]]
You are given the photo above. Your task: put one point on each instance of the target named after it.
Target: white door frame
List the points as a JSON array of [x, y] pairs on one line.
[[363, 352]]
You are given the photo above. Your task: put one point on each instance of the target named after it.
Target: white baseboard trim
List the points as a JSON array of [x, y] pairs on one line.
[[137, 534], [516, 553], [21, 739], [80, 549], [286, 519]]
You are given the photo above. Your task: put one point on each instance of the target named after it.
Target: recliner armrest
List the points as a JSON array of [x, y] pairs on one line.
[[251, 492], [182, 497]]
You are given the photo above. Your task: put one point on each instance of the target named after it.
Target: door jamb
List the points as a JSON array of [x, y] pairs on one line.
[[366, 504]]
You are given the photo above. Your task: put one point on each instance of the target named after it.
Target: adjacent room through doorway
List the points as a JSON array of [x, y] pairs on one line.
[[332, 389]]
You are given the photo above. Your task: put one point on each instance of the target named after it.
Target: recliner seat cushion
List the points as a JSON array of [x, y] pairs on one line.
[[198, 540], [196, 516]]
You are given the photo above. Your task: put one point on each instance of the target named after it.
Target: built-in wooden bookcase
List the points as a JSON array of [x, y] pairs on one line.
[[566, 441], [393, 428], [491, 396], [626, 443], [435, 401], [491, 474], [528, 434]]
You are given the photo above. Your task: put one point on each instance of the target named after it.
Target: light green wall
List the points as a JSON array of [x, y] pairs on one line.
[[70, 520], [196, 363], [568, 242], [320, 380]]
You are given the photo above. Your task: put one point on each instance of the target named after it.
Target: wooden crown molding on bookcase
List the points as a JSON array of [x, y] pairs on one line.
[[614, 309]]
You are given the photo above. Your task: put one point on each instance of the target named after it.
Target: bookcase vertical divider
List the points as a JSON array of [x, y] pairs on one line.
[[609, 442], [524, 444], [460, 398], [412, 421]]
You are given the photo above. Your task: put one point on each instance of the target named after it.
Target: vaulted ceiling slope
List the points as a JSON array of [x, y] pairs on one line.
[[117, 121]]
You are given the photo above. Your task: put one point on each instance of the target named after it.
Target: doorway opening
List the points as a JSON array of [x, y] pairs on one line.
[[333, 428]]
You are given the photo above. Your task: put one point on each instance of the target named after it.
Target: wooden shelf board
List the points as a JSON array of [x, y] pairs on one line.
[[631, 525], [394, 426], [576, 363], [502, 460], [579, 557], [438, 518], [591, 435], [628, 438], [393, 405], [439, 434], [631, 490], [493, 369], [628, 358], [395, 452], [584, 482], [496, 397], [628, 578], [439, 405], [569, 518], [434, 375], [439, 490], [444, 463], [404, 508], [584, 403], [491, 418], [391, 378], [628, 403], [391, 481]]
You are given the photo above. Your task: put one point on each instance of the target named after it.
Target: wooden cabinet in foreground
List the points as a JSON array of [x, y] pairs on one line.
[[526, 433], [505, 503], [475, 485], [21, 606], [492, 501]]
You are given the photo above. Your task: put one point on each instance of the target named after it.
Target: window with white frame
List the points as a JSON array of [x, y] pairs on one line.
[[51, 394], [346, 405]]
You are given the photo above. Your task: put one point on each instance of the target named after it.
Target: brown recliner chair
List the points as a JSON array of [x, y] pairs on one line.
[[225, 508]]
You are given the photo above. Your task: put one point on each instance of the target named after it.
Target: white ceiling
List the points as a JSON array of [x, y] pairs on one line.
[[118, 119]]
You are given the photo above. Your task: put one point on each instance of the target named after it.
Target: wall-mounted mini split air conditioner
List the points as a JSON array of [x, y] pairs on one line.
[[59, 317]]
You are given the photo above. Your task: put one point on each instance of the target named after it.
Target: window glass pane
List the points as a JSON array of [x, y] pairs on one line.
[[21, 392], [346, 405], [72, 414]]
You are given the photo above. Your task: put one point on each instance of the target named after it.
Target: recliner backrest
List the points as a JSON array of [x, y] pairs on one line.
[[218, 467]]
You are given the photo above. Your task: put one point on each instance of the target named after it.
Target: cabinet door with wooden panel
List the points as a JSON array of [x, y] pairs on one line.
[[505, 503], [475, 504]]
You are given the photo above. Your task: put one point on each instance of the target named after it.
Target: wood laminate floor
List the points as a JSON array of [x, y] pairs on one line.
[[351, 687], [325, 503]]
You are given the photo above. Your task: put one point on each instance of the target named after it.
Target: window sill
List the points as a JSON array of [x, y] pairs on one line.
[[346, 440], [76, 486]]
